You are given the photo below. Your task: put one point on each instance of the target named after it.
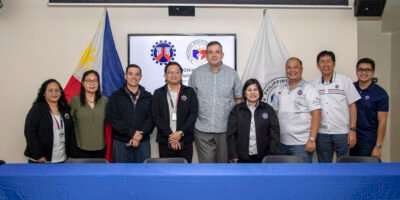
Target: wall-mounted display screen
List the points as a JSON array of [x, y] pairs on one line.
[[152, 52]]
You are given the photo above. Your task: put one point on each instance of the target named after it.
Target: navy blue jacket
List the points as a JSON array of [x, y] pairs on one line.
[[126, 119]]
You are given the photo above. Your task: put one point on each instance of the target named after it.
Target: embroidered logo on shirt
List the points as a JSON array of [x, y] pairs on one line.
[[66, 116], [300, 92], [265, 115], [367, 97], [336, 86]]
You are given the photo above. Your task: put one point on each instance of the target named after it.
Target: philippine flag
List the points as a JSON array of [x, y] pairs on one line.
[[100, 55]]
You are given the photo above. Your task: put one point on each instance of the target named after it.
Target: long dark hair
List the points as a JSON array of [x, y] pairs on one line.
[[62, 102], [82, 94]]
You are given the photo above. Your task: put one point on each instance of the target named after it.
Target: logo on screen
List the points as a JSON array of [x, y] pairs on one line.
[[270, 88], [196, 52], [163, 52]]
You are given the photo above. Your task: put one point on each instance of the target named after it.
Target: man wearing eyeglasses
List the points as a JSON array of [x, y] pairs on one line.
[[372, 111], [174, 109]]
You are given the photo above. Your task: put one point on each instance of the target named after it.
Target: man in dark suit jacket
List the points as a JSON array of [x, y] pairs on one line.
[[174, 110]]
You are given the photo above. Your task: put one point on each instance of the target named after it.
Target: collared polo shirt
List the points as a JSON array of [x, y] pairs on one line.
[[336, 97], [374, 99], [294, 111], [216, 92]]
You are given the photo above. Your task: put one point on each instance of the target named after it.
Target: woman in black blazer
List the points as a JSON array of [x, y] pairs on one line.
[[174, 110], [253, 127], [48, 126]]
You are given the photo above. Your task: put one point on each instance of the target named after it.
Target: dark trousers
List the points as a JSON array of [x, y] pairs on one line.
[[252, 159], [186, 152], [80, 153], [362, 148]]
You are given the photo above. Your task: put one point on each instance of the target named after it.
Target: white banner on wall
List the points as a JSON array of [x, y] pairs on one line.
[[153, 52]]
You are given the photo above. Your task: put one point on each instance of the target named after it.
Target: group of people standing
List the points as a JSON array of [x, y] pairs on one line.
[[227, 122]]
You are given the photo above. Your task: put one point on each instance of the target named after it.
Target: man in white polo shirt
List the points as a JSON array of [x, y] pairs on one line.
[[298, 106], [337, 132]]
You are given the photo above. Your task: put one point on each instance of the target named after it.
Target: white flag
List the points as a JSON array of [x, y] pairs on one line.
[[267, 60]]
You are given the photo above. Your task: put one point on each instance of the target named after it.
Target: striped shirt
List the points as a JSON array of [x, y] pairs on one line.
[[336, 96], [216, 92]]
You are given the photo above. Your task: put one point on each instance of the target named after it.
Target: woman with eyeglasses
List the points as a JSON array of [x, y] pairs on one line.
[[253, 127], [48, 126], [88, 110]]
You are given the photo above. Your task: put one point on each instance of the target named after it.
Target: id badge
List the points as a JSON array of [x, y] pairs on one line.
[[174, 117], [62, 137]]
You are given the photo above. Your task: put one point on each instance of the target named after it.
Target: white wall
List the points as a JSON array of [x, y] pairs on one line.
[[395, 97], [374, 44], [38, 42]]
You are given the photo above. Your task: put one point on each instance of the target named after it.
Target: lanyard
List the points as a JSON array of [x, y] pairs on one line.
[[177, 98], [60, 125], [134, 100]]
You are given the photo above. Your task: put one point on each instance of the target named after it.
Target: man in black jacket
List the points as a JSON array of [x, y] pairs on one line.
[[175, 109], [129, 112]]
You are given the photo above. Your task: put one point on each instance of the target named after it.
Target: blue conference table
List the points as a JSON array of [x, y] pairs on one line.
[[200, 181]]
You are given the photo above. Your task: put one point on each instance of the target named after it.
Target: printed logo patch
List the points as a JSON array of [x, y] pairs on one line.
[[184, 97], [317, 101]]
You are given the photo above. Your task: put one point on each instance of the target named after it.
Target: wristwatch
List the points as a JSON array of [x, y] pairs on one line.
[[312, 139], [379, 145], [353, 129]]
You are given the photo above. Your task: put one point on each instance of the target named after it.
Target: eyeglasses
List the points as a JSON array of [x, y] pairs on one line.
[[362, 70], [174, 72], [94, 81], [56, 91]]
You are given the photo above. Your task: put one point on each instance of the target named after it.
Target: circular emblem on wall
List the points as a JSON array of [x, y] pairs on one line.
[[270, 88], [196, 52], [163, 52]]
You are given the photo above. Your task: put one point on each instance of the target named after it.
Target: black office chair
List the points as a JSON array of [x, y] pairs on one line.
[[283, 159], [165, 160], [358, 159], [2, 162], [86, 160]]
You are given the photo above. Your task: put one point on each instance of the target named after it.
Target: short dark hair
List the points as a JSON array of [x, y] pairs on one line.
[[135, 66], [368, 61], [82, 93], [294, 58], [213, 43], [247, 84], [326, 53], [173, 63]]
